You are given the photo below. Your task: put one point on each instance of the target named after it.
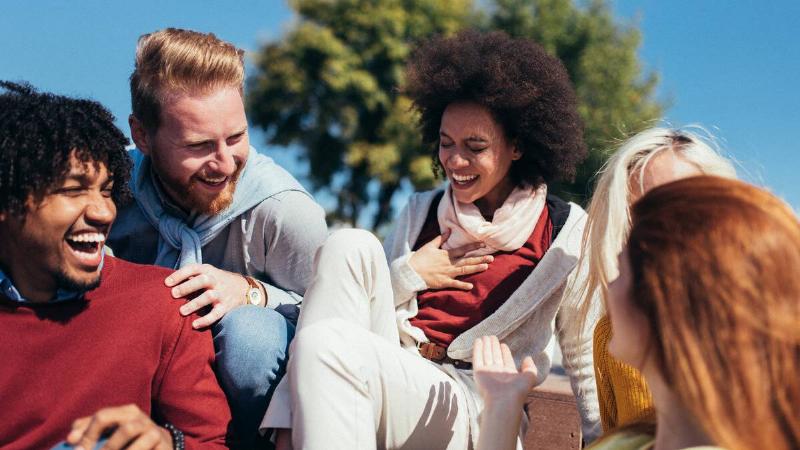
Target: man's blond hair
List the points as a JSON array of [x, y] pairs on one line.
[[175, 60]]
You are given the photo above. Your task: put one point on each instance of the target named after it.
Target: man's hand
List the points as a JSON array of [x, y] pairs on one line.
[[496, 373], [439, 267], [128, 426], [221, 289]]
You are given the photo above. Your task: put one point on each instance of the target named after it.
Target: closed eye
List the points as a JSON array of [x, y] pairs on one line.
[[199, 145]]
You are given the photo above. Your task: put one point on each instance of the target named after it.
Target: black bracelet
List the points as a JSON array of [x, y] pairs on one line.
[[177, 436]]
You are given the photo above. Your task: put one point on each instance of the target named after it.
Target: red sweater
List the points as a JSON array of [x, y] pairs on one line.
[[446, 313], [124, 343]]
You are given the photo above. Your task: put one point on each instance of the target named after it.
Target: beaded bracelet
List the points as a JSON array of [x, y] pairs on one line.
[[177, 436]]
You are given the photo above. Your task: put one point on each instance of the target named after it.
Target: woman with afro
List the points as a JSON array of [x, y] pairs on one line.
[[382, 356]]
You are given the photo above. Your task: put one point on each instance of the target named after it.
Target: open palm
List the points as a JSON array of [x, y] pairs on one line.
[[496, 373]]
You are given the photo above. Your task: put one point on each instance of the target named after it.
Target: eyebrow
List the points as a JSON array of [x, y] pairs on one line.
[[472, 138], [199, 141], [81, 176]]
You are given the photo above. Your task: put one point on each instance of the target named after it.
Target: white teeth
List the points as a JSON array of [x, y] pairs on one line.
[[87, 237], [213, 180], [464, 178]]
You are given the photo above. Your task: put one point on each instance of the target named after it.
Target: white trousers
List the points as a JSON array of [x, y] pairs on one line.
[[352, 385]]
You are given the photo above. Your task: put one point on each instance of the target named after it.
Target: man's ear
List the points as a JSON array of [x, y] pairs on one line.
[[139, 135]]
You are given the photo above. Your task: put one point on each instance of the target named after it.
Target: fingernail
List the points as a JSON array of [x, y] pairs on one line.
[[175, 293], [490, 258], [195, 325], [168, 281], [182, 311]]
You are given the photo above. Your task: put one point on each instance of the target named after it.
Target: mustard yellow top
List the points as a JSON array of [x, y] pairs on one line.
[[621, 390]]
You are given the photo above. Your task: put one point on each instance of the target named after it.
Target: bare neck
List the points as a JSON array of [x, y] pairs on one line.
[[676, 426]]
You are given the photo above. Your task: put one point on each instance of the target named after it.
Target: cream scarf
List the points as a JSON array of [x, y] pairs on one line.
[[511, 225]]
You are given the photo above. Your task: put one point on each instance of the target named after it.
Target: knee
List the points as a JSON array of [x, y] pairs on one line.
[[251, 345], [352, 241], [320, 346]]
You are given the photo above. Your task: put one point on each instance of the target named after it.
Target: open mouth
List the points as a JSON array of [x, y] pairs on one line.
[[463, 181], [87, 247], [213, 183]]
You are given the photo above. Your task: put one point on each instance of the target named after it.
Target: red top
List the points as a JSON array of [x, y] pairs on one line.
[[124, 343], [444, 314]]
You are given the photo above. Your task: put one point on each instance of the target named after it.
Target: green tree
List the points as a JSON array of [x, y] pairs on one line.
[[600, 56], [330, 85]]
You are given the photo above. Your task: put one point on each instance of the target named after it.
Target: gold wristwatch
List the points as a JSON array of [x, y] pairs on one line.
[[253, 295]]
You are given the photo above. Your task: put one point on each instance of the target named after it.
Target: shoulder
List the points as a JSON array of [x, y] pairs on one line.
[[288, 203], [290, 212], [142, 283], [425, 198], [418, 205], [570, 235], [602, 332]]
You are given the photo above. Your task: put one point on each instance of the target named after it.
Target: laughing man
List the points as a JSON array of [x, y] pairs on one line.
[[92, 346], [239, 230]]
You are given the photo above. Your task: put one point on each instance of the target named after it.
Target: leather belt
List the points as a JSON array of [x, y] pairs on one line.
[[438, 354]]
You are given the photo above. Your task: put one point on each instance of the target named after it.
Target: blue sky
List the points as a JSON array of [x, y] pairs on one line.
[[733, 67]]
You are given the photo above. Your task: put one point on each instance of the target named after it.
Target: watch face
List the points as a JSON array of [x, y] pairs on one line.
[[254, 296]]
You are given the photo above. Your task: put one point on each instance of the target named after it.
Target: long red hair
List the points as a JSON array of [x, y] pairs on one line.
[[716, 269]]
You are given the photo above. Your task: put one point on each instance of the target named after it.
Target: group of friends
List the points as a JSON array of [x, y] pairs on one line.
[[219, 312]]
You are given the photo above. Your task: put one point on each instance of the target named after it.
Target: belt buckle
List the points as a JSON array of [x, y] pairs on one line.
[[431, 351]]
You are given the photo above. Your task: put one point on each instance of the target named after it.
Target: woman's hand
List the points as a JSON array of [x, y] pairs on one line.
[[439, 267], [496, 374], [503, 389]]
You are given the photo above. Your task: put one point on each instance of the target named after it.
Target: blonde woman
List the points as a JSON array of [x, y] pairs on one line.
[[650, 158]]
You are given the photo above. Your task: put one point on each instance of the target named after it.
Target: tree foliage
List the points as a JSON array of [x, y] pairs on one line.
[[331, 84], [600, 56]]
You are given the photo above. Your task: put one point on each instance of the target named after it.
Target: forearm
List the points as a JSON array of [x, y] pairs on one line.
[[405, 281], [276, 296], [500, 421]]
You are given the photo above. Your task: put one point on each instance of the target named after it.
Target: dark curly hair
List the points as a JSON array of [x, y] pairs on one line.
[[527, 91], [38, 134]]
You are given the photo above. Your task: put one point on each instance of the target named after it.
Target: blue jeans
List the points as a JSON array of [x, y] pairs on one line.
[[252, 346]]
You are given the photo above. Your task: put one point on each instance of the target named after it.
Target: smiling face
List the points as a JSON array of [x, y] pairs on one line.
[[59, 243], [199, 149], [476, 156]]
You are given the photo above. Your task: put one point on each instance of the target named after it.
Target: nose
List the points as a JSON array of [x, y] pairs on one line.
[[456, 161], [101, 210], [224, 161]]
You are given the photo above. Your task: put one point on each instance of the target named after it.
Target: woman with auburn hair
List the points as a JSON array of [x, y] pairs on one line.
[[650, 158], [706, 308]]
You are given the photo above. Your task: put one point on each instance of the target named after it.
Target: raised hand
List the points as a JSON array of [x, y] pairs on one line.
[[496, 373], [221, 289], [439, 268]]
